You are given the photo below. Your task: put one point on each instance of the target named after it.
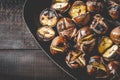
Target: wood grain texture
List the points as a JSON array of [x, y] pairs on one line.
[[14, 33], [28, 65], [22, 64]]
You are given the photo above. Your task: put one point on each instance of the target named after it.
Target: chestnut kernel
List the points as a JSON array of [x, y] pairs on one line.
[[79, 13], [111, 53], [61, 5], [48, 17], [104, 44], [45, 33]]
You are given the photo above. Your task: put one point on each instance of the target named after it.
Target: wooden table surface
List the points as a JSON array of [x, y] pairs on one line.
[[20, 55]]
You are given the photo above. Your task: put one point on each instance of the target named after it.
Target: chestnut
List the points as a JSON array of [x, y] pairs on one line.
[[79, 13], [96, 67], [48, 17], [66, 28], [114, 10], [104, 44], [45, 33], [115, 35], [113, 69], [118, 51], [95, 5], [61, 5], [116, 1], [75, 59], [85, 39], [108, 50], [99, 25], [58, 45], [111, 53], [82, 33]]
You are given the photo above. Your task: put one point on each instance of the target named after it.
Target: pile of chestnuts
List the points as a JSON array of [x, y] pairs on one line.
[[87, 32]]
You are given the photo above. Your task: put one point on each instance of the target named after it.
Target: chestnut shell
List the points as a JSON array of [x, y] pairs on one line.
[[95, 5], [58, 45], [99, 25], [114, 10], [115, 35], [96, 67], [75, 59], [83, 32], [66, 28]]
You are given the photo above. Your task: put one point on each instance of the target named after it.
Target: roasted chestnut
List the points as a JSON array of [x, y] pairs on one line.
[[115, 35], [96, 67], [79, 13], [78, 27], [108, 49], [85, 39], [61, 5], [45, 33], [114, 10], [95, 5], [48, 17], [99, 24], [76, 59], [104, 44], [111, 53], [116, 1], [113, 69], [118, 51], [58, 45], [66, 28]]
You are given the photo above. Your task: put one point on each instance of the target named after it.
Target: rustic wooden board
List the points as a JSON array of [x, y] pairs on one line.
[[14, 33], [22, 64], [28, 65]]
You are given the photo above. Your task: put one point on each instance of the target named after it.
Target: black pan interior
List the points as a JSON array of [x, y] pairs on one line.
[[32, 11]]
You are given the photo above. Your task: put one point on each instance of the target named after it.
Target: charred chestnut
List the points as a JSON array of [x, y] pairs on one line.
[[48, 17], [96, 67], [85, 39], [66, 28], [114, 10], [45, 33], [99, 25], [79, 13], [95, 5], [58, 45], [115, 35], [76, 59], [61, 5]]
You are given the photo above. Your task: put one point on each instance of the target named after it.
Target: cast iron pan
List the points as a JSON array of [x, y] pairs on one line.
[[32, 10]]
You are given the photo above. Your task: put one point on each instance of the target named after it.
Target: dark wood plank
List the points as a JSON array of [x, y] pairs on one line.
[[14, 33], [28, 65], [22, 64]]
